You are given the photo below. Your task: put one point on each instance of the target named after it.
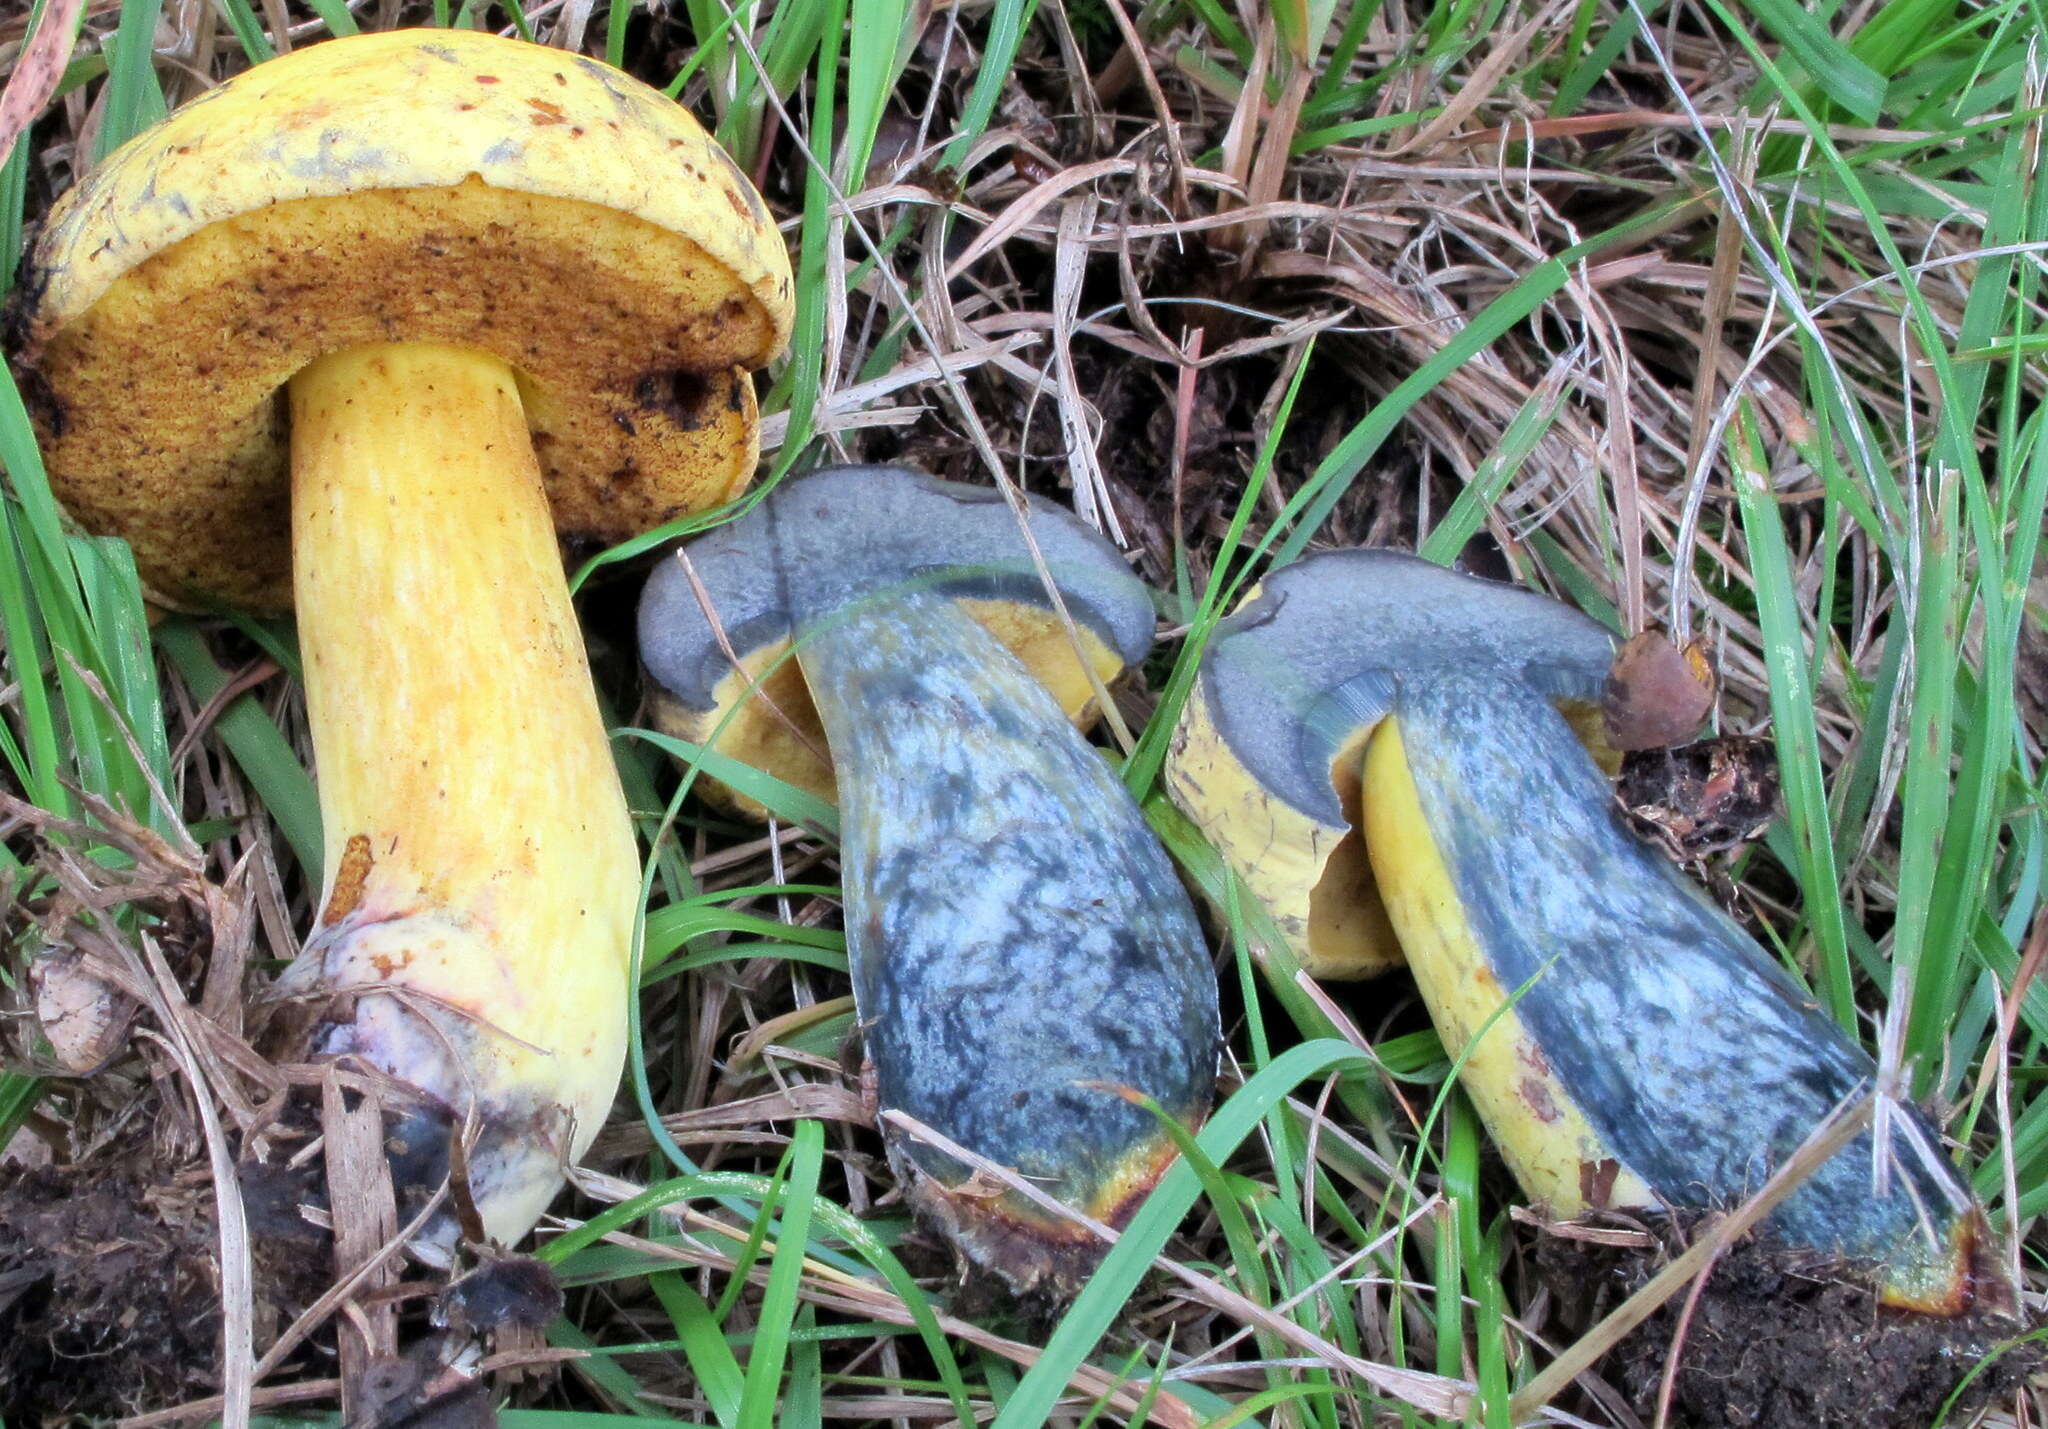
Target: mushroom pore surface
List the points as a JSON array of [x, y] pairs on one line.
[[440, 186], [161, 405]]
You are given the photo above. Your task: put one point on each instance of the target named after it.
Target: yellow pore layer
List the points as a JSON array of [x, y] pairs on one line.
[[764, 718], [1312, 877]]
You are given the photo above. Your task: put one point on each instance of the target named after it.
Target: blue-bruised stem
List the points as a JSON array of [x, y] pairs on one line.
[[1021, 946], [1691, 1053]]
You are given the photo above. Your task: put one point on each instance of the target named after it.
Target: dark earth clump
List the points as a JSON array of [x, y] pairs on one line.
[[1701, 799], [110, 1291], [109, 1297], [1775, 1342]]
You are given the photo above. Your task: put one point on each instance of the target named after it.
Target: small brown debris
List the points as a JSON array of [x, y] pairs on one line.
[[1657, 694], [420, 1389], [1704, 798], [356, 862], [84, 1017], [1535, 1093], [506, 1291], [2032, 669], [1596, 1181]]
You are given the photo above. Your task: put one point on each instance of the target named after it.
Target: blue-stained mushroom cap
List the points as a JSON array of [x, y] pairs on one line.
[[858, 530], [1324, 645], [1267, 755], [717, 619]]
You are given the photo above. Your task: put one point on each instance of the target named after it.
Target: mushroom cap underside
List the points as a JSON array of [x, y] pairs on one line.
[[1267, 756], [566, 218], [728, 678]]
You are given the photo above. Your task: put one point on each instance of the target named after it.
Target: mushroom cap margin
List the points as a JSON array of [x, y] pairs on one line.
[[336, 118], [1267, 756]]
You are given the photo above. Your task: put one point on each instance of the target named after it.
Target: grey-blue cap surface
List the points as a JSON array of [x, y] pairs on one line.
[[1327, 644], [849, 532]]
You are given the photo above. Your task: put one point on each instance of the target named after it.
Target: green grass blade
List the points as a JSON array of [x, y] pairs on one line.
[[335, 15], [248, 31], [610, 1378], [1457, 1234], [781, 799], [875, 51], [134, 101], [1005, 33], [1792, 720], [712, 1362], [1102, 1299], [258, 746], [13, 194], [803, 1398], [1530, 424], [1845, 79]]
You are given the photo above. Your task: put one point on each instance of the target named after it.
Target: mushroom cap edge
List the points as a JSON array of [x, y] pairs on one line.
[[963, 538], [1318, 651]]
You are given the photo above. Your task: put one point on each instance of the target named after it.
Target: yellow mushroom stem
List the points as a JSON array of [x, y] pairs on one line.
[[1541, 1130], [481, 871]]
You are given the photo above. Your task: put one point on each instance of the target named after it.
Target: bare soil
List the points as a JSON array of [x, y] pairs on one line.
[[110, 1294], [1774, 1343]]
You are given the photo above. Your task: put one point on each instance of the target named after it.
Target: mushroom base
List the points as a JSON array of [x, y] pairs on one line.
[[521, 1115], [1035, 1254]]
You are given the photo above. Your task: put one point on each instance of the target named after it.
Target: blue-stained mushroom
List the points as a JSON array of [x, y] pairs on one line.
[[1023, 952], [1627, 1044]]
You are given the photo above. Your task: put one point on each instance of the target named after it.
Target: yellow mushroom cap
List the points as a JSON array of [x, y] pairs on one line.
[[438, 185]]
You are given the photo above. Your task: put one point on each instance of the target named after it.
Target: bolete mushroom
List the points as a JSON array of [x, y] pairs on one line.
[[346, 328], [1627, 1045], [1021, 947]]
